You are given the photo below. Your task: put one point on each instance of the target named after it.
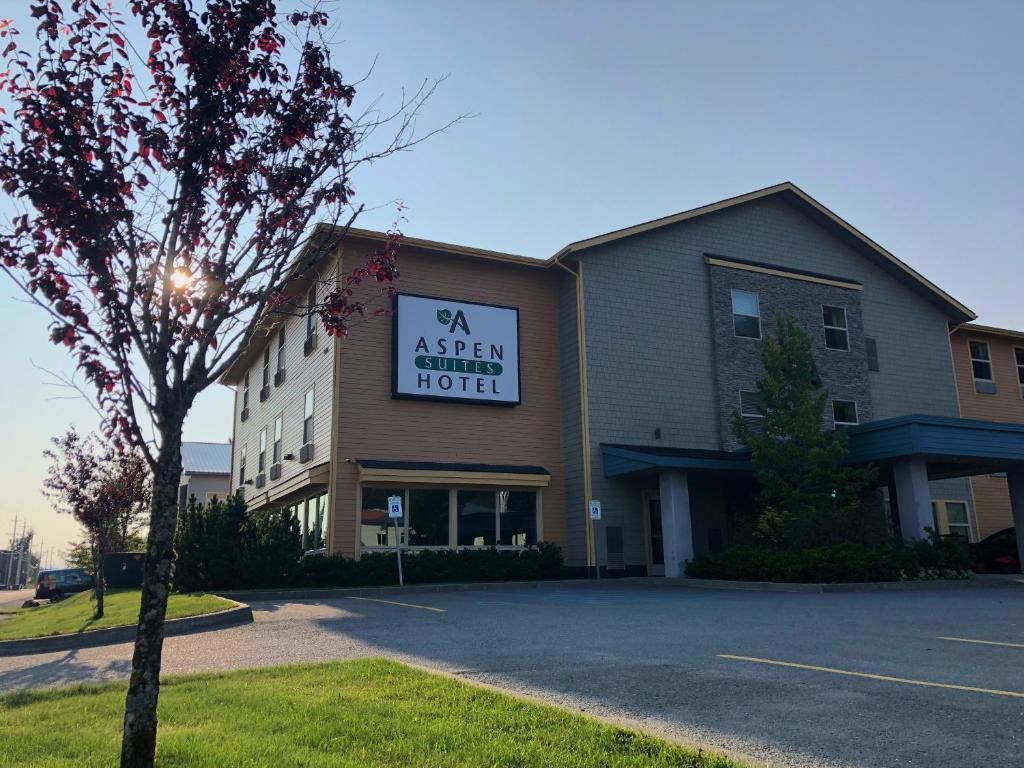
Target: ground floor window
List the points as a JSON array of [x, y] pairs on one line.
[[951, 518], [311, 514], [447, 517]]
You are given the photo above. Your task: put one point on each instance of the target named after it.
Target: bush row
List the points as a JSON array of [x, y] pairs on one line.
[[935, 558], [221, 546]]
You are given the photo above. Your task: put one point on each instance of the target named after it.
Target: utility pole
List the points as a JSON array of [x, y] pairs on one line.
[[22, 544], [10, 554]]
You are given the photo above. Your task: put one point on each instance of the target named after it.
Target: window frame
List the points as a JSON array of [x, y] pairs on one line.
[[743, 413], [266, 366], [1018, 363], [280, 349], [938, 519], [275, 450], [845, 328], [856, 413], [735, 314], [987, 361], [311, 315], [241, 466], [262, 460], [245, 391], [308, 404]]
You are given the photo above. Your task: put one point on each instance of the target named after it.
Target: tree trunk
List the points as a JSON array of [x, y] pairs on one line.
[[138, 745], [100, 585]]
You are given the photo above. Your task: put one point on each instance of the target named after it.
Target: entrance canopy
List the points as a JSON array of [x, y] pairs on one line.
[[950, 447]]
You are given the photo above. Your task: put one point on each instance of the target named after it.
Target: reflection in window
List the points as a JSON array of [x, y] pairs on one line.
[[517, 518], [746, 314], [836, 334], [376, 529], [476, 518], [428, 517]]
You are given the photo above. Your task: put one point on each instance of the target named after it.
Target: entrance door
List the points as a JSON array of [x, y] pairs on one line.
[[655, 542]]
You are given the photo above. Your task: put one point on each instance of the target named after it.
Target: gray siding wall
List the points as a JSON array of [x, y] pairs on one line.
[[649, 335], [288, 399], [201, 486], [572, 436]]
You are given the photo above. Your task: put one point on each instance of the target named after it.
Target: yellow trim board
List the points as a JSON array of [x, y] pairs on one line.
[[870, 676], [716, 262], [451, 478]]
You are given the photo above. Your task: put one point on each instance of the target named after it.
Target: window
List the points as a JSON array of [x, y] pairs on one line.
[[241, 467], [836, 335], [476, 513], [311, 317], [844, 413], [261, 463], [1018, 358], [751, 405], [871, 351], [278, 424], [245, 391], [428, 517], [517, 518], [311, 515], [307, 418], [266, 367], [280, 351], [951, 519], [376, 529], [746, 314], [981, 363]]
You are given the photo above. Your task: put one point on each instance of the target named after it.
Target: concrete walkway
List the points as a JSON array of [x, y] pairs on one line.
[[932, 678]]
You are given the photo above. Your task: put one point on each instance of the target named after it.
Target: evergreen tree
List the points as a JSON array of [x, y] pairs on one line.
[[806, 495]]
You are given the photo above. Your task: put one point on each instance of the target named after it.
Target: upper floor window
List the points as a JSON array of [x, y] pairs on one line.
[[1018, 358], [262, 461], [245, 391], [836, 334], [844, 413], [871, 350], [280, 351], [241, 467], [278, 429], [266, 366], [746, 314], [307, 419], [751, 405], [981, 362], [311, 317]]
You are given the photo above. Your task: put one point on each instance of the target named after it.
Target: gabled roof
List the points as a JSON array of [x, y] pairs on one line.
[[206, 458], [795, 196]]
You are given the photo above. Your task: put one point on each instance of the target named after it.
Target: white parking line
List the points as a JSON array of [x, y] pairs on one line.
[[982, 642], [404, 605]]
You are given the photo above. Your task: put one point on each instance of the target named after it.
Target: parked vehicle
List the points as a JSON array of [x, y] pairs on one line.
[[997, 553], [55, 585]]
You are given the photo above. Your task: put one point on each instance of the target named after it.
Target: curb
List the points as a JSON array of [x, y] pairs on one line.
[[239, 614], [328, 593]]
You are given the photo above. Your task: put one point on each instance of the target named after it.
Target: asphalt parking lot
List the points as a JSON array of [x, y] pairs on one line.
[[931, 678]]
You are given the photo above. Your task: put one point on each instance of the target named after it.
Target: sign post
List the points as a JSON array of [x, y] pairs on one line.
[[395, 513], [595, 516]]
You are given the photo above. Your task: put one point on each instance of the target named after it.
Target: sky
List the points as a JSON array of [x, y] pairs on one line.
[[903, 118]]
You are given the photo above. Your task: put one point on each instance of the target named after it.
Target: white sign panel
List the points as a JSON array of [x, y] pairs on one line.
[[455, 350], [595, 509], [394, 506]]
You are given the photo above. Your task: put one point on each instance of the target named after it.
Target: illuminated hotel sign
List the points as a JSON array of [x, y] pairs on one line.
[[461, 351]]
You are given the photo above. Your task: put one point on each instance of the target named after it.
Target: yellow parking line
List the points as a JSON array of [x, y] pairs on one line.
[[982, 642], [869, 676], [404, 605]]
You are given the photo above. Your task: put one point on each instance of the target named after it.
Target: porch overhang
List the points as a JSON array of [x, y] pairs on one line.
[[625, 460], [951, 447]]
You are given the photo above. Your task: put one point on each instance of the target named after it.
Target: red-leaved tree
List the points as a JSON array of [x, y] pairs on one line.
[[104, 489], [167, 165]]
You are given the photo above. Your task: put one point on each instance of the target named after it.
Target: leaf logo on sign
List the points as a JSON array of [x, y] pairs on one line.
[[444, 316]]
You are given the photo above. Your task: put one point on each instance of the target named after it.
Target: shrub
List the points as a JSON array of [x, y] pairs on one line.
[[933, 558], [221, 546]]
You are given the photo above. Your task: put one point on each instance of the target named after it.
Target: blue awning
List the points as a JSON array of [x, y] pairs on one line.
[[952, 447]]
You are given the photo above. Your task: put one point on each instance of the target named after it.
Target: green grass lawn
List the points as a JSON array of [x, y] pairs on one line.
[[370, 712], [120, 607]]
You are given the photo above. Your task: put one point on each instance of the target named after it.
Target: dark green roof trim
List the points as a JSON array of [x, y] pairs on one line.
[[936, 437], [620, 460], [442, 466]]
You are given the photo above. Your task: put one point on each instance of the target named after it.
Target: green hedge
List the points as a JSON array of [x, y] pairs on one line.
[[222, 546], [936, 558]]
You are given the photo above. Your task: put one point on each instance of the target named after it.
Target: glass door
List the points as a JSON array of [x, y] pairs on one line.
[[655, 542]]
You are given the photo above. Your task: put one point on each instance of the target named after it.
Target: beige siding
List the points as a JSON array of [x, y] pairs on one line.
[[371, 425], [991, 496], [288, 400]]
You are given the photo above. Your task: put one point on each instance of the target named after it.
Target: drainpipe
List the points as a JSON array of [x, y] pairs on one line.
[[581, 345]]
